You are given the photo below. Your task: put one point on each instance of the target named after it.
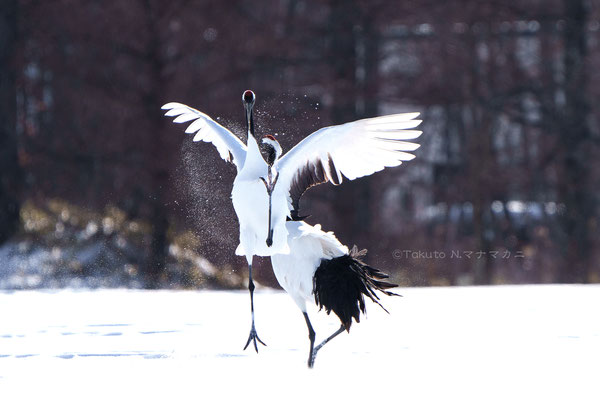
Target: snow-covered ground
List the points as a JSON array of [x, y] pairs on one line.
[[533, 342]]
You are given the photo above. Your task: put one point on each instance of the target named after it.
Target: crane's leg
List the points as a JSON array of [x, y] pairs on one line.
[[269, 186], [314, 352], [270, 235], [253, 337], [311, 337]]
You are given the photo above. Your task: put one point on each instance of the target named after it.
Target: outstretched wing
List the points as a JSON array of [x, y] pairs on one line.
[[351, 150], [229, 146]]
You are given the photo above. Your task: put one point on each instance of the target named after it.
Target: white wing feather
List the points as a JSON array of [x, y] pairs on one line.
[[208, 130], [353, 150]]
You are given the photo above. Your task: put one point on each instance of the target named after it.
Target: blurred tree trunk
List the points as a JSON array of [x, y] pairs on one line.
[[369, 83], [480, 164], [482, 171], [352, 199], [155, 158], [342, 60], [575, 139], [10, 173]]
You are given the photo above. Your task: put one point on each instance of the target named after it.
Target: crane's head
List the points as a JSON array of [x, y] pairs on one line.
[[273, 149], [248, 99]]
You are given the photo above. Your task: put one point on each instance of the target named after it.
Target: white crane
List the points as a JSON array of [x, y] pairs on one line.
[[353, 150], [322, 271]]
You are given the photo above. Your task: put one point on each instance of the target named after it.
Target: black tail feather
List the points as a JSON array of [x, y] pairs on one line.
[[340, 284]]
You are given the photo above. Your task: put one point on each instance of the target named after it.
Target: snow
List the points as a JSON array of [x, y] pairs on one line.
[[475, 342]]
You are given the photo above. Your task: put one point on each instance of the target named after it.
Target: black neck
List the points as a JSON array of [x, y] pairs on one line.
[[250, 123]]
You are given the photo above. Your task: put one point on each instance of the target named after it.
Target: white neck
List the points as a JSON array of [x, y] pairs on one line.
[[255, 163]]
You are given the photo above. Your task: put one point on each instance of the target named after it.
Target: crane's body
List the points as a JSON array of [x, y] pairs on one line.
[[322, 271], [266, 195], [308, 246], [251, 204]]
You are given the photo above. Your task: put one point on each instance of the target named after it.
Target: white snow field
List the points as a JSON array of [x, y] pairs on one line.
[[515, 342]]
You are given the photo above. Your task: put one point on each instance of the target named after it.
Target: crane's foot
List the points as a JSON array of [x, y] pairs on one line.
[[315, 350], [253, 337], [313, 355]]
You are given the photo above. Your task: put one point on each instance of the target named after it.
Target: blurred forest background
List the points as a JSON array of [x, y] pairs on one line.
[[97, 188]]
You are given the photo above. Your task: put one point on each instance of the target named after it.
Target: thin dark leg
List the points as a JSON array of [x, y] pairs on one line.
[[311, 337], [314, 353], [253, 337], [269, 186], [270, 236]]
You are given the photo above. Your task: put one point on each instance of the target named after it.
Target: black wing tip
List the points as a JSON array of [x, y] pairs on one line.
[[314, 173], [295, 217], [335, 179]]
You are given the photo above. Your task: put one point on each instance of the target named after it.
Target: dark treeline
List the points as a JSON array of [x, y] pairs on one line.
[[504, 187]]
